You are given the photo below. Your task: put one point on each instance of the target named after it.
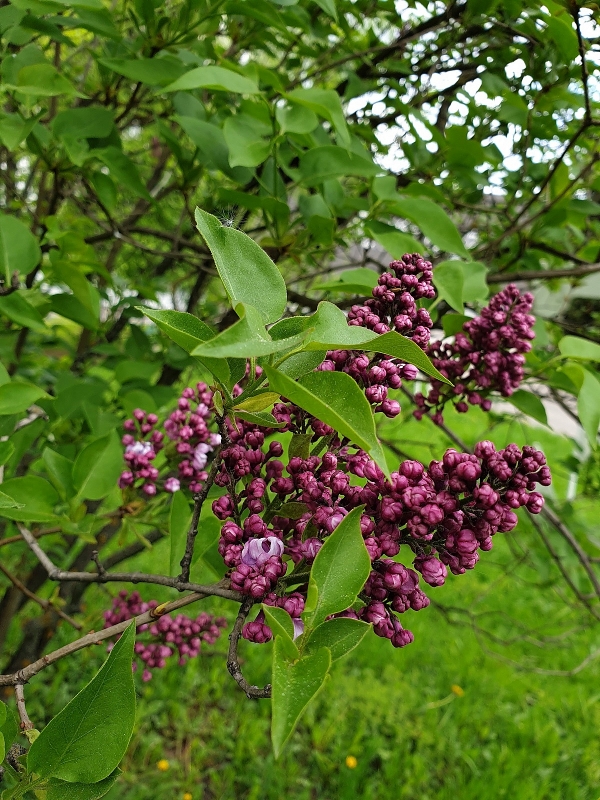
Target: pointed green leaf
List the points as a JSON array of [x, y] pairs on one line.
[[340, 635], [328, 161], [530, 404], [448, 279], [282, 626], [34, 499], [85, 742], [588, 406], [17, 397], [339, 571], [246, 270], [433, 221], [337, 400], [577, 347], [217, 78], [293, 687], [246, 338], [16, 307], [97, 468], [324, 102], [19, 248]]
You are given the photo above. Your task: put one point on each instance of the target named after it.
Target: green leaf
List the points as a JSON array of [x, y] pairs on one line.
[[152, 71], [530, 404], [68, 306], [282, 626], [258, 402], [588, 406], [97, 468], [9, 728], [296, 119], [83, 123], [123, 170], [448, 278], [259, 418], [184, 329], [246, 338], [339, 635], [397, 243], [475, 287], [60, 470], [453, 323], [188, 332], [209, 139], [19, 249], [293, 687], [339, 571], [326, 103], [246, 270], [180, 519], [14, 128], [337, 400], [216, 78], [246, 146], [328, 7], [6, 451], [300, 445], [43, 80], [322, 163], [331, 331], [17, 397], [576, 347], [433, 221], [17, 308], [561, 31], [85, 742], [34, 497], [63, 790]]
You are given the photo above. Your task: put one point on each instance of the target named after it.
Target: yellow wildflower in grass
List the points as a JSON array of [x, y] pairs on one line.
[[351, 762], [458, 690], [187, 796], [162, 765]]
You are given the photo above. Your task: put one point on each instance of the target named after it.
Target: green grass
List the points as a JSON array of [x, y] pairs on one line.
[[514, 733]]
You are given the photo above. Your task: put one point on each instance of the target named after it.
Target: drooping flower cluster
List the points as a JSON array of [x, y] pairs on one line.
[[443, 515], [488, 356], [168, 636], [192, 442], [393, 307]]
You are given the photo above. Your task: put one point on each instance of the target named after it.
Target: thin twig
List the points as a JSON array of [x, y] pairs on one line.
[[45, 604], [56, 574], [26, 723], [199, 500], [233, 665]]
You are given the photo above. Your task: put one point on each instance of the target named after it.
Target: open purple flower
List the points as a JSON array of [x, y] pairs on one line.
[[257, 552]]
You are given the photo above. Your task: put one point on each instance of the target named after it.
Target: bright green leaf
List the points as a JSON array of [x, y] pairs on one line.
[[448, 278], [216, 78], [293, 687], [326, 103], [246, 270], [337, 400], [63, 790], [85, 742], [19, 249], [340, 635], [322, 163], [530, 404], [339, 571], [17, 397], [97, 468], [577, 347], [282, 626], [433, 221], [34, 497]]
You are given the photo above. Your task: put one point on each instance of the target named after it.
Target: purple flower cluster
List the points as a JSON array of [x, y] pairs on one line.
[[142, 443], [393, 307], [487, 356], [443, 514], [192, 442], [167, 636]]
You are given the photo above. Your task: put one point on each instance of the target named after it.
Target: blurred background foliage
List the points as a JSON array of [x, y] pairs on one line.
[[337, 134]]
